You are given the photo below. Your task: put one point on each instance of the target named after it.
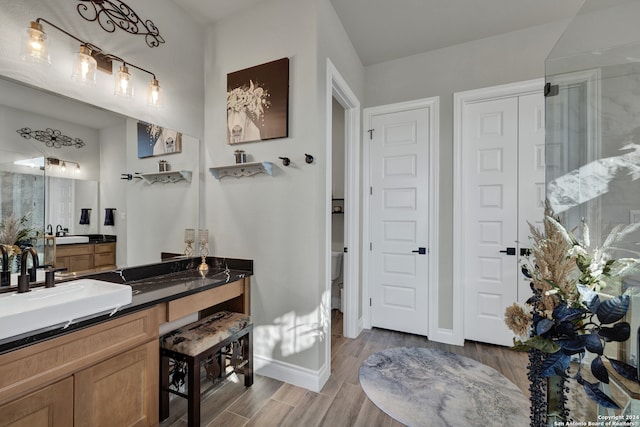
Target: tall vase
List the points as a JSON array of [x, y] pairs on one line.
[[555, 401]]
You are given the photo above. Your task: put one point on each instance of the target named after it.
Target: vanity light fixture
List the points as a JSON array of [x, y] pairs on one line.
[[34, 44], [155, 95], [88, 59], [123, 84], [84, 67], [52, 162]]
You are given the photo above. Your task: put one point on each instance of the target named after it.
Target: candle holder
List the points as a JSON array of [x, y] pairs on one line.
[[189, 238], [203, 238]]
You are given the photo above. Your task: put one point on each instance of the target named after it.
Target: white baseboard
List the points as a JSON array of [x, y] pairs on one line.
[[291, 374]]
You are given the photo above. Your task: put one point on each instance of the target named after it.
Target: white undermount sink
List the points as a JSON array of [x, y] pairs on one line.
[[67, 240], [60, 305]]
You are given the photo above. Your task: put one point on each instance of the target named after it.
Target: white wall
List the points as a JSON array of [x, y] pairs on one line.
[[278, 221], [507, 58]]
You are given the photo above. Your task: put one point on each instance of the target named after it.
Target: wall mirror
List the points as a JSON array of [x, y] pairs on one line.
[[61, 163]]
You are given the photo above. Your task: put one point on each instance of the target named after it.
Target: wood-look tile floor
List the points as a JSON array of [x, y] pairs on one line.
[[342, 401]]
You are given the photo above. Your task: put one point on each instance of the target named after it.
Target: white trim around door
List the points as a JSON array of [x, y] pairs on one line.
[[338, 88], [432, 104]]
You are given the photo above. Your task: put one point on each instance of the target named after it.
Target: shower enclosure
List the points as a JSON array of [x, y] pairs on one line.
[[593, 133]]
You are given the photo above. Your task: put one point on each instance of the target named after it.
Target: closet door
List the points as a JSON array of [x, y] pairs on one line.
[[531, 177], [503, 188]]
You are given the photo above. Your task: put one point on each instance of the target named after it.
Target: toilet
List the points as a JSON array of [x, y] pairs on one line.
[[336, 280]]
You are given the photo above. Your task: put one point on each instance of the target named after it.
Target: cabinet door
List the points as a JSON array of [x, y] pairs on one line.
[[121, 391], [48, 407], [81, 262]]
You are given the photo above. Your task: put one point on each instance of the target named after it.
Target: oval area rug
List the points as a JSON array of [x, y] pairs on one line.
[[433, 388]]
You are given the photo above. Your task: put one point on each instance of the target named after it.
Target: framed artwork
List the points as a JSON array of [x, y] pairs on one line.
[[154, 140], [258, 102]]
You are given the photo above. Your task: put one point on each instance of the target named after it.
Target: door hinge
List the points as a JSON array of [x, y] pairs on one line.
[[371, 191], [370, 304], [551, 90], [370, 133], [370, 246], [345, 250]]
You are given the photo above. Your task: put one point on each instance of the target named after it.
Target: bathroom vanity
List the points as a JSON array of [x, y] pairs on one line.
[[97, 254], [105, 367]]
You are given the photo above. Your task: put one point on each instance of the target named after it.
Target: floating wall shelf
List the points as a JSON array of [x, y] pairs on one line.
[[166, 177], [242, 169]]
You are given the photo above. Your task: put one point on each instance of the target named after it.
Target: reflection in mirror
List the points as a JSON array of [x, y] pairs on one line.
[[21, 204], [50, 170], [85, 151]]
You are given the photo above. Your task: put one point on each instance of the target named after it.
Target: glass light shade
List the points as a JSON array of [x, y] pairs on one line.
[[189, 235], [84, 67], [123, 83], [155, 94], [78, 169], [34, 44]]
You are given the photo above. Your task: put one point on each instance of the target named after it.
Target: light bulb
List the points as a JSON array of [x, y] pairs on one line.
[[123, 84], [155, 95], [78, 169], [34, 44], [84, 68], [63, 166]]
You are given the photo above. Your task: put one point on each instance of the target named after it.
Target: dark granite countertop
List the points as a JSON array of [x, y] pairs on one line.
[[100, 238], [151, 284]]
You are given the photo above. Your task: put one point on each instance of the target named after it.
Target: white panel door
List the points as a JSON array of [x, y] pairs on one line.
[[531, 172], [503, 184], [399, 205], [490, 167]]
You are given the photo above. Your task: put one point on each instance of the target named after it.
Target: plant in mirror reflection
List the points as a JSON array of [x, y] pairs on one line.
[[16, 232], [569, 313]]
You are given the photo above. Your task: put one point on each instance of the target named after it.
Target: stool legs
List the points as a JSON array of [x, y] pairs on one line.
[[193, 410], [164, 387], [248, 369]]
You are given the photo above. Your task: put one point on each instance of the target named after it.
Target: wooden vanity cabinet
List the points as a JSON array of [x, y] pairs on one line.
[[104, 257], [123, 389], [76, 257], [86, 257], [51, 406], [104, 375]]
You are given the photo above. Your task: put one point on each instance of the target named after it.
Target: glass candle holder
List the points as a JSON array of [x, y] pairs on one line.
[[189, 238], [203, 240]]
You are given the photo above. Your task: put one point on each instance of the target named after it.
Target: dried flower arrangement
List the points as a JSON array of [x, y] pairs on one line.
[[14, 230], [565, 316]]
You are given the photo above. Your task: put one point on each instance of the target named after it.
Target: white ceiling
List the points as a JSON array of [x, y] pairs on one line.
[[382, 30]]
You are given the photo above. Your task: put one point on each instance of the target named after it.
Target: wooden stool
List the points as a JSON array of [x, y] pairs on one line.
[[215, 340]]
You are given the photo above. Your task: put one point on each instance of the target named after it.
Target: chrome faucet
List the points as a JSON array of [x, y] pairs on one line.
[[59, 230], [25, 277], [5, 276], [49, 230]]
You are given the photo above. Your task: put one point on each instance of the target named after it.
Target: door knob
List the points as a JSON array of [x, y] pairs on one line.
[[509, 251], [420, 251]]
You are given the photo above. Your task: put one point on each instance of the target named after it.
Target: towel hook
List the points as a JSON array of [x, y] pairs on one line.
[[285, 161]]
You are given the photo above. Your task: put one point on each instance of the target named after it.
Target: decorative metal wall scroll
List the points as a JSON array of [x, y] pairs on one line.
[[51, 138], [114, 13]]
